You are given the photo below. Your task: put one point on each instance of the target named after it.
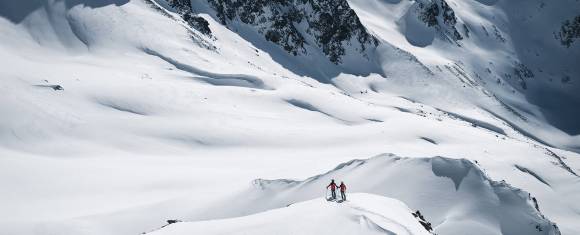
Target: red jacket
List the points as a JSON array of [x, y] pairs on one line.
[[332, 186], [342, 187]]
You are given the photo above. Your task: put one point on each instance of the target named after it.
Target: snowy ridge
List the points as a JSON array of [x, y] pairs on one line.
[[455, 195], [427, 184], [362, 214]]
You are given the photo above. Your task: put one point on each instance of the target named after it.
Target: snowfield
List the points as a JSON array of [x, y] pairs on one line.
[[117, 115]]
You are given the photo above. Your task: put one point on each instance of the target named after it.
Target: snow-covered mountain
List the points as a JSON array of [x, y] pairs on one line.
[[118, 115], [516, 50]]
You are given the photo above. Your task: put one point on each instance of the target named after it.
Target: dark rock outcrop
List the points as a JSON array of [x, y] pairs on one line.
[[330, 25], [570, 31], [183, 7], [522, 73], [198, 23], [423, 221], [438, 14], [54, 87]]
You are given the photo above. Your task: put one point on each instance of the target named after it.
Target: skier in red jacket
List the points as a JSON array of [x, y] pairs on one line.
[[332, 187], [342, 190]]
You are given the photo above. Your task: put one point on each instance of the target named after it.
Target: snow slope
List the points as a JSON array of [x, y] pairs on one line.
[[362, 214], [509, 49], [158, 121], [454, 194]]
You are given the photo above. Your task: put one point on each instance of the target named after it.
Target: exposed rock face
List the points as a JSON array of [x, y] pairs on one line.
[[438, 14], [198, 23], [330, 25], [183, 7], [570, 31], [523, 73]]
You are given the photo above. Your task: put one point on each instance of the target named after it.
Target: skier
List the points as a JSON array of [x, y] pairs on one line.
[[342, 190], [332, 187]]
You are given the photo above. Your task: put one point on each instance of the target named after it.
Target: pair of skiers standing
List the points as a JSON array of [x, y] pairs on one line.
[[333, 188]]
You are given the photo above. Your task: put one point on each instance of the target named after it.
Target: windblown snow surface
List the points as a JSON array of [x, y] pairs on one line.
[[116, 116]]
